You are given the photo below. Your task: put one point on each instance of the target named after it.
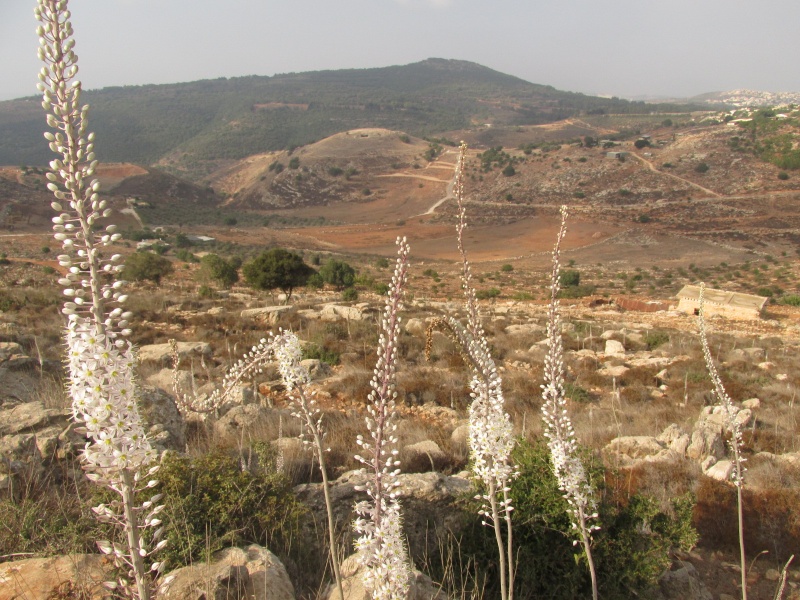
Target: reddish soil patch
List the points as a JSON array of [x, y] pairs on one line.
[[438, 241]]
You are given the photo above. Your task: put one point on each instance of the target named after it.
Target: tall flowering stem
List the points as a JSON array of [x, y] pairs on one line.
[[288, 354], [733, 426], [245, 368], [491, 438], [379, 522], [567, 466], [100, 360]]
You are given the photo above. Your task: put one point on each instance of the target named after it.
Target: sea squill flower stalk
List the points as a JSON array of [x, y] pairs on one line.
[[379, 523], [100, 360], [732, 424], [491, 439], [567, 466], [288, 354], [244, 369]]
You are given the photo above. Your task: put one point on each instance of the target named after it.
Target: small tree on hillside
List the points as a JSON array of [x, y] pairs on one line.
[[277, 269], [219, 270], [338, 273], [146, 266]]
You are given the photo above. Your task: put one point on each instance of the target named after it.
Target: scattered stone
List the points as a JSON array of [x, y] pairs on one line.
[[614, 348], [336, 312], [616, 371], [244, 419], [215, 311], [9, 349], [684, 584], [525, 329], [752, 403], [162, 353], [772, 575], [633, 447], [316, 368], [267, 314]]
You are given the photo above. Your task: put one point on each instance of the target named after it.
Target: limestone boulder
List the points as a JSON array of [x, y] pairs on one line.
[[614, 348], [164, 379], [316, 368], [706, 441], [633, 446], [166, 426], [337, 312], [422, 456], [720, 470], [244, 419], [73, 576], [270, 315], [251, 573], [683, 583], [162, 353], [420, 585]]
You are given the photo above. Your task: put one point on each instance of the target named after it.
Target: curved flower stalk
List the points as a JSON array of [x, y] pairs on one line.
[[567, 466], [491, 438], [288, 354], [100, 359], [379, 524], [246, 367], [734, 428]]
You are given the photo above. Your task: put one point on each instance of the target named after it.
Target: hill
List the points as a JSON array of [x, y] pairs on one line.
[[196, 128]]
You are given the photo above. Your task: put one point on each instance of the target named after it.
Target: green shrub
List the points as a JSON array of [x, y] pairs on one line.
[[783, 176], [654, 339], [381, 288], [631, 549], [702, 168], [487, 294], [338, 273], [569, 278], [146, 266], [507, 268], [350, 294], [217, 269], [791, 300], [315, 351], [212, 503]]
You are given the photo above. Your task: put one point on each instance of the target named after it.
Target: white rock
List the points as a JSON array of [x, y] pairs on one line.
[[614, 348], [720, 470]]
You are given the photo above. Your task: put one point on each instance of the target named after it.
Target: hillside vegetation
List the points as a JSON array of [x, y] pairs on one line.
[[186, 126]]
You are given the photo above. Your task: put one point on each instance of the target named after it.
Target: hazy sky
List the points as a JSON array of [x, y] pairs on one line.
[[621, 47]]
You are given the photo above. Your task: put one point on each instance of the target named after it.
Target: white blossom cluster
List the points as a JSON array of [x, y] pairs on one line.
[[100, 359], [288, 354], [379, 523], [491, 438], [567, 465], [103, 395], [730, 410]]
